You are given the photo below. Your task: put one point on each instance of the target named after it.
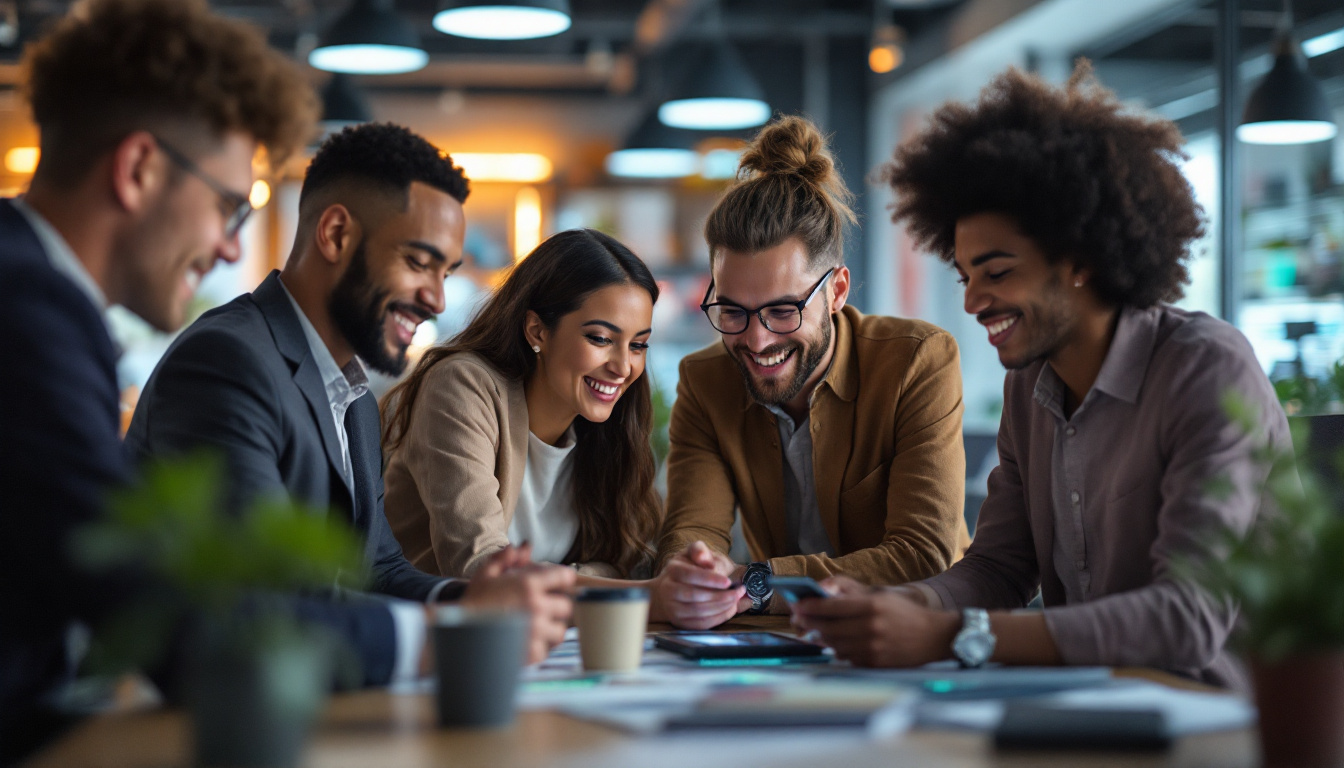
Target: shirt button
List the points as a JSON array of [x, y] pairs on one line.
[[1075, 497], [1070, 431]]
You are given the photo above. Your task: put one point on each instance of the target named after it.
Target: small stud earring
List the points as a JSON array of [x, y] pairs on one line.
[[1078, 283], [536, 349]]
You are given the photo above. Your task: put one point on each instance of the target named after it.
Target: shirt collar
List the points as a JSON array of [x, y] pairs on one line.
[[1126, 364], [62, 257], [343, 385]]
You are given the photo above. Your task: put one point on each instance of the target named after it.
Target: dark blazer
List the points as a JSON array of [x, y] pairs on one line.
[[243, 379], [59, 451]]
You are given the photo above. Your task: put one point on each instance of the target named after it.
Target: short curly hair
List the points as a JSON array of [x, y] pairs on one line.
[[1086, 179], [385, 156], [113, 67]]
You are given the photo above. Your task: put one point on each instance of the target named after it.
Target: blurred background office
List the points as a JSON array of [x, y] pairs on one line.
[[628, 116]]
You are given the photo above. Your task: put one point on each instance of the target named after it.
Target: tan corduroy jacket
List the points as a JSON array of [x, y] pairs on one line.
[[453, 483], [887, 456]]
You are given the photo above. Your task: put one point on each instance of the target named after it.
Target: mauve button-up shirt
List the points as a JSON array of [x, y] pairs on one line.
[[1094, 509]]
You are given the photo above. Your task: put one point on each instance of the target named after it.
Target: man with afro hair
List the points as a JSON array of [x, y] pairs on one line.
[[1067, 219]]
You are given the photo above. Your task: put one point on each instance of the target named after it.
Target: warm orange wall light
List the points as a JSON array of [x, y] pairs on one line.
[[526, 222], [519, 168], [22, 159], [260, 194]]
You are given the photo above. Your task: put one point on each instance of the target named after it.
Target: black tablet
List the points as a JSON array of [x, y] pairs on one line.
[[735, 645]]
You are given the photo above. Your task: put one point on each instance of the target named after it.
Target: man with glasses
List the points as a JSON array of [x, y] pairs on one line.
[[149, 114], [834, 437]]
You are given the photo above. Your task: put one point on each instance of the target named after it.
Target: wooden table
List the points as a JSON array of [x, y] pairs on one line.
[[375, 728]]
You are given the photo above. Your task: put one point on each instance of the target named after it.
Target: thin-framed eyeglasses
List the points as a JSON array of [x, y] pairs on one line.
[[779, 317], [235, 207]]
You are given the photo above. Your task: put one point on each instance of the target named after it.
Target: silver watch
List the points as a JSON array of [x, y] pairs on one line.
[[974, 644]]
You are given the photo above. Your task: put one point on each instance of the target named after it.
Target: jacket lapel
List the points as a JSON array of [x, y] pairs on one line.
[[513, 451], [366, 462], [832, 426], [275, 306], [831, 422], [766, 460]]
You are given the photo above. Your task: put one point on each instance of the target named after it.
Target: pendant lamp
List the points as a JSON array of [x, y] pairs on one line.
[[655, 151], [370, 39], [719, 93], [1289, 105], [503, 19]]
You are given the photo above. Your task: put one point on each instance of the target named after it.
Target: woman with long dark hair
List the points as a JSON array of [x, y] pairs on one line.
[[532, 424]]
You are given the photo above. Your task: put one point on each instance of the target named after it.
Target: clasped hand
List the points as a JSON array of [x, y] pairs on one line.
[[696, 590]]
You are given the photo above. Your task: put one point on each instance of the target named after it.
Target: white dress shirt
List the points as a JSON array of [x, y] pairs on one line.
[[62, 256], [344, 386]]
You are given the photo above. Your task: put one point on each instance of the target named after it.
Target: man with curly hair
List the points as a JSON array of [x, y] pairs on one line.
[[1069, 223], [149, 114], [283, 369]]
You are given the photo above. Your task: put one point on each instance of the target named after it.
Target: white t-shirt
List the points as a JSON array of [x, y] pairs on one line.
[[544, 515]]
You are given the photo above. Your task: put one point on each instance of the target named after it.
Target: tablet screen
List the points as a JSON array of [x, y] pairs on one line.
[[734, 639]]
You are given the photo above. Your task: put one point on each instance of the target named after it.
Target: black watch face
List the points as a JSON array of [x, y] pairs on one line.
[[755, 580]]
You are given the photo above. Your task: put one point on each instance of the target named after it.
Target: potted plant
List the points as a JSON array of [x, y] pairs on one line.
[[214, 611], [1286, 574]]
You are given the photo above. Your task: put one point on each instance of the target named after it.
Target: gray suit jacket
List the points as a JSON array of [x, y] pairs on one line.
[[243, 379]]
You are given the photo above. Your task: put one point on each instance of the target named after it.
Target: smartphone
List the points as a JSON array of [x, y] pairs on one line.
[[795, 588], [735, 645]]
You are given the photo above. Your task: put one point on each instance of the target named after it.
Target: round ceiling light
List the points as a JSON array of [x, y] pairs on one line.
[[719, 93], [654, 151], [653, 163], [370, 39], [504, 20], [714, 114]]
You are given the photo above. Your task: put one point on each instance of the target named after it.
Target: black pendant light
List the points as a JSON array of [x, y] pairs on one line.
[[1289, 105], [370, 39], [719, 93], [655, 151], [343, 104]]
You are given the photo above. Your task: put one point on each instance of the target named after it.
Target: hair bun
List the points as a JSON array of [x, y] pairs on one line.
[[791, 145]]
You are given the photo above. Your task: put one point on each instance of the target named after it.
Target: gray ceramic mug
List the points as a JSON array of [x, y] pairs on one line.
[[478, 655]]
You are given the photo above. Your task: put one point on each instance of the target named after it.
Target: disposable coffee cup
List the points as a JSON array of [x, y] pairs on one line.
[[478, 655], [611, 626]]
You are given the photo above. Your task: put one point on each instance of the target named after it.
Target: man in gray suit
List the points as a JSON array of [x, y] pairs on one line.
[[276, 378]]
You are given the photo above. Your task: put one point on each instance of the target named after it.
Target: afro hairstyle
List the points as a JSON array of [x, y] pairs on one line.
[[1085, 178]]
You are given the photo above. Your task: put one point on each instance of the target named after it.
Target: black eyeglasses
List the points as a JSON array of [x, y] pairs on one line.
[[781, 317], [235, 207]]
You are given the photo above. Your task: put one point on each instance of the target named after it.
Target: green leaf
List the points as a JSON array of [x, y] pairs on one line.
[[173, 527]]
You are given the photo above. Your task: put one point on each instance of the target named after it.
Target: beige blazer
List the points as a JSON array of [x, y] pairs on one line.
[[453, 484]]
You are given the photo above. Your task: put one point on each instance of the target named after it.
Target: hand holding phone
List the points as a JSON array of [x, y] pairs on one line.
[[795, 588]]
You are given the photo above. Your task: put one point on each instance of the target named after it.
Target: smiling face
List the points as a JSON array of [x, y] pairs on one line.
[[394, 280], [590, 358], [778, 367], [1028, 305], [179, 237]]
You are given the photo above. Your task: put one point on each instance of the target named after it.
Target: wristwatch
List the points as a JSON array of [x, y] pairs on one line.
[[974, 644], [757, 582]]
